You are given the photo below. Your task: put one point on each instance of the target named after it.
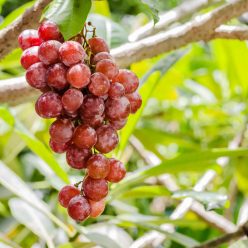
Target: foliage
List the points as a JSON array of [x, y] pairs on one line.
[[194, 105]]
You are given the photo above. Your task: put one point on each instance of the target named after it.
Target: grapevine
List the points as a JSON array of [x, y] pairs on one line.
[[91, 99]]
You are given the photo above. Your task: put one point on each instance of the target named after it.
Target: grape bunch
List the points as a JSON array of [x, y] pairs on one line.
[[91, 99]]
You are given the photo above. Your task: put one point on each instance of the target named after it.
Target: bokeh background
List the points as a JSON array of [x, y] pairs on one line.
[[195, 104]]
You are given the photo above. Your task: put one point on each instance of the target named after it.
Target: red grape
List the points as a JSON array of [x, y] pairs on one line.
[[48, 30], [30, 57], [29, 38], [129, 80], [91, 107], [99, 84], [98, 166], [107, 139], [135, 101], [66, 194], [58, 147], [49, 105], [98, 45], [76, 157], [61, 130], [116, 90], [95, 121], [79, 75], [117, 108], [36, 75], [79, 208], [97, 208], [100, 56], [95, 189], [56, 76], [84, 136], [71, 53], [117, 171], [107, 67], [72, 99], [118, 124], [49, 52]]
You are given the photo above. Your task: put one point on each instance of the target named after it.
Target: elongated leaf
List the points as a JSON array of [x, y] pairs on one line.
[[210, 199], [14, 14], [14, 184], [69, 15], [146, 192], [199, 161], [162, 66], [37, 222], [78, 245], [151, 8], [39, 148]]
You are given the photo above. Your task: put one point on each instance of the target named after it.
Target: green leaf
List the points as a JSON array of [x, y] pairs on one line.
[[211, 200], [198, 161], [35, 221], [14, 14], [40, 149], [146, 192], [162, 66], [78, 245], [151, 8], [14, 184], [69, 15], [112, 32]]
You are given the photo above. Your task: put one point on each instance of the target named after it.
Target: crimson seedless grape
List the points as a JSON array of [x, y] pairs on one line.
[[91, 99]]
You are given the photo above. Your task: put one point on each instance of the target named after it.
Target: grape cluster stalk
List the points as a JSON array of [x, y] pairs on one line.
[[90, 98]]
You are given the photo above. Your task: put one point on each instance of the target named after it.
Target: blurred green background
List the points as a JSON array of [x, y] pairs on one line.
[[197, 105]]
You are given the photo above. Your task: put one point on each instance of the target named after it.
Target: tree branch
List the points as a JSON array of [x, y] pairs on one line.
[[30, 19], [181, 12], [230, 237]]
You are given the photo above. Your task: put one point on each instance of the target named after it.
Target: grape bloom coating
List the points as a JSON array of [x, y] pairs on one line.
[[91, 99]]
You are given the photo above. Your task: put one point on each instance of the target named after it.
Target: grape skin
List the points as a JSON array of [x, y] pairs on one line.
[[48, 30], [29, 38], [72, 99], [117, 171], [66, 194], [99, 84], [98, 45], [30, 57], [108, 68]]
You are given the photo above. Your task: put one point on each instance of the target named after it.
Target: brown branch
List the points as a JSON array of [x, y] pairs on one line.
[[30, 19], [230, 237], [179, 13]]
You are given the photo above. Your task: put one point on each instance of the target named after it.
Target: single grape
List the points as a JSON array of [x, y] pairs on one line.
[[95, 189], [98, 45], [66, 194], [79, 75], [118, 124], [84, 136], [98, 166], [72, 99], [99, 84], [135, 101], [97, 208], [58, 147], [116, 90], [129, 80], [100, 56], [107, 139], [117, 108], [117, 171], [49, 105], [36, 75], [49, 52], [29, 38], [95, 121], [71, 53], [108, 68], [30, 57], [61, 130], [76, 157], [92, 106], [79, 208], [56, 76], [48, 30]]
